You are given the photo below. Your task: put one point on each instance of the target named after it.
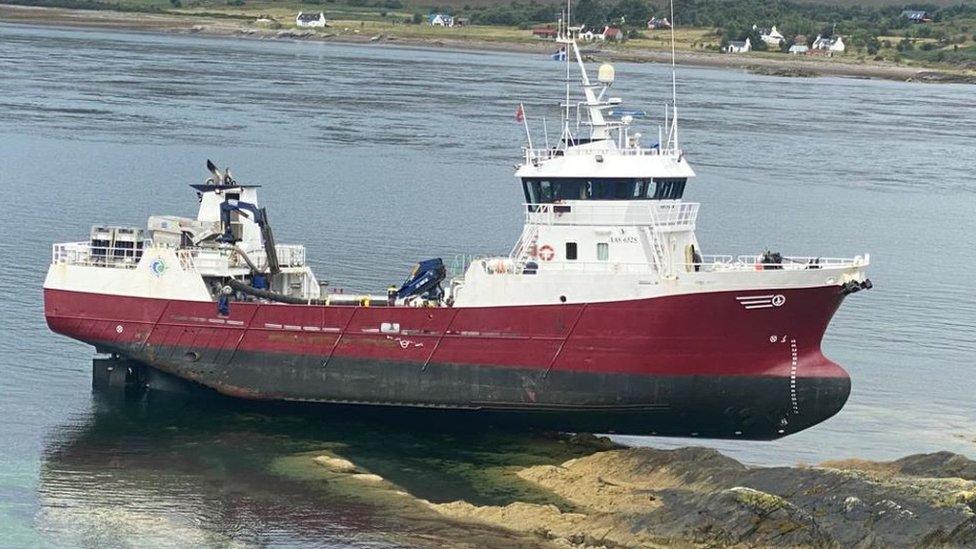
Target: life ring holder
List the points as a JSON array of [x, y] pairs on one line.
[[546, 252]]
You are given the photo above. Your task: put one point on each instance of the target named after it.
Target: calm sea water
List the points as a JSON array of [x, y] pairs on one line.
[[376, 157]]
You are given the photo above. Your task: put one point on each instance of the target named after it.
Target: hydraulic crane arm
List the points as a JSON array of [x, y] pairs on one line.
[[260, 216]]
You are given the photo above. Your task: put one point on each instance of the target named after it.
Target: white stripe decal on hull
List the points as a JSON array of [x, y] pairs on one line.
[[766, 301]]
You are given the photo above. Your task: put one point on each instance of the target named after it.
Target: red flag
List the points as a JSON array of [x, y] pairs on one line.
[[519, 114]]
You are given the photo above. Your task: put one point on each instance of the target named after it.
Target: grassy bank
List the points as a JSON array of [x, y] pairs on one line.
[[264, 19]]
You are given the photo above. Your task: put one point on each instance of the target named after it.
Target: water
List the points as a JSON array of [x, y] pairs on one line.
[[376, 157]]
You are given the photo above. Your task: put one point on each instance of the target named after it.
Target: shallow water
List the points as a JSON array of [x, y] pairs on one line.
[[376, 157]]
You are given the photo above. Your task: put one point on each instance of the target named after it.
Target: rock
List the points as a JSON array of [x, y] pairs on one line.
[[792, 72], [336, 464], [546, 521], [696, 496], [587, 440], [293, 35], [367, 477], [942, 77], [938, 465]]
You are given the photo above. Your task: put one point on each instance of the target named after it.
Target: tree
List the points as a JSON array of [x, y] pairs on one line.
[[755, 39], [590, 13], [417, 18], [634, 13]]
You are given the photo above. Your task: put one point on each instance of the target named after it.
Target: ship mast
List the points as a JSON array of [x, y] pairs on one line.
[[564, 34], [673, 131]]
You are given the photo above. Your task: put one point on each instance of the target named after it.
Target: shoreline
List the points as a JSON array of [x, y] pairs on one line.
[[232, 26], [612, 496]]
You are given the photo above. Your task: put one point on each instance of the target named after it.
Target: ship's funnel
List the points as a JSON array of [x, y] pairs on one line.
[[605, 74]]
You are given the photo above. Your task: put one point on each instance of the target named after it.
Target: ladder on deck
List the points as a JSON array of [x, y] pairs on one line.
[[658, 252], [523, 248]]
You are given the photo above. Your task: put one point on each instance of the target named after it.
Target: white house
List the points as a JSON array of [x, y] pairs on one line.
[[607, 34], [833, 44], [917, 16], [798, 49], [310, 19], [770, 36], [739, 46], [440, 20]]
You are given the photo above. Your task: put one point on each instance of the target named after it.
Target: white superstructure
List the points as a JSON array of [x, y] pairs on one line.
[[605, 219]]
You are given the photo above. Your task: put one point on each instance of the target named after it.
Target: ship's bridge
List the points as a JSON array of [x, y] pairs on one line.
[[601, 170]]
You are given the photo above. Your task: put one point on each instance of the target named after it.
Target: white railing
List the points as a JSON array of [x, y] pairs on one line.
[[204, 259], [221, 259], [502, 265], [290, 255], [83, 253], [459, 265], [510, 266], [667, 215], [728, 263], [541, 155]]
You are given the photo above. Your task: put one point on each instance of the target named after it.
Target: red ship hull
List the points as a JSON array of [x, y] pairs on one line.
[[700, 364]]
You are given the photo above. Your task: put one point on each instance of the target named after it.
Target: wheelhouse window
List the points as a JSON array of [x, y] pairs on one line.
[[602, 251], [547, 191]]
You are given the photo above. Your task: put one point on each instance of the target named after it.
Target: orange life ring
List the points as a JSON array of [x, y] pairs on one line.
[[546, 253]]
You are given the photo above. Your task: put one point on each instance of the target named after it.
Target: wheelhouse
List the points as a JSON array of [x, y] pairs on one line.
[[548, 190]]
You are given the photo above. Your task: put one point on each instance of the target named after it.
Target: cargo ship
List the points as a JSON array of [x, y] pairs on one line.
[[606, 316]]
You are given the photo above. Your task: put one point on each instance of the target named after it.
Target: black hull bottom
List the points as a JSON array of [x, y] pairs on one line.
[[734, 407]]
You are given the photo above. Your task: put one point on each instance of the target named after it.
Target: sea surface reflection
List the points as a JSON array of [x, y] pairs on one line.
[[204, 470]]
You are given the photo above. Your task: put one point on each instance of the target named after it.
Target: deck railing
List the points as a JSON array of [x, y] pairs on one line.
[[83, 253], [708, 264], [541, 155], [669, 215], [206, 259]]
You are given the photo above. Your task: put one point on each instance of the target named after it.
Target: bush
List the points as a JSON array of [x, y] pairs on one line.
[[235, 2], [417, 19], [176, 3]]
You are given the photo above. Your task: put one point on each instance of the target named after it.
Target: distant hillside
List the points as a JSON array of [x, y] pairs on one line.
[[460, 4]]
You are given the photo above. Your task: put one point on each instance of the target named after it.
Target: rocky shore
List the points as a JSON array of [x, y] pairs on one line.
[[697, 497], [243, 27]]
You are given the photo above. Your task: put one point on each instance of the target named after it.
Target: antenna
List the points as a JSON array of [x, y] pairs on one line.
[[674, 87], [566, 29]]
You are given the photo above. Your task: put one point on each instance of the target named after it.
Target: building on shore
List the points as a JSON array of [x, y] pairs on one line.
[[311, 19], [610, 34], [917, 16], [440, 20], [656, 24], [738, 46], [833, 44], [770, 35]]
